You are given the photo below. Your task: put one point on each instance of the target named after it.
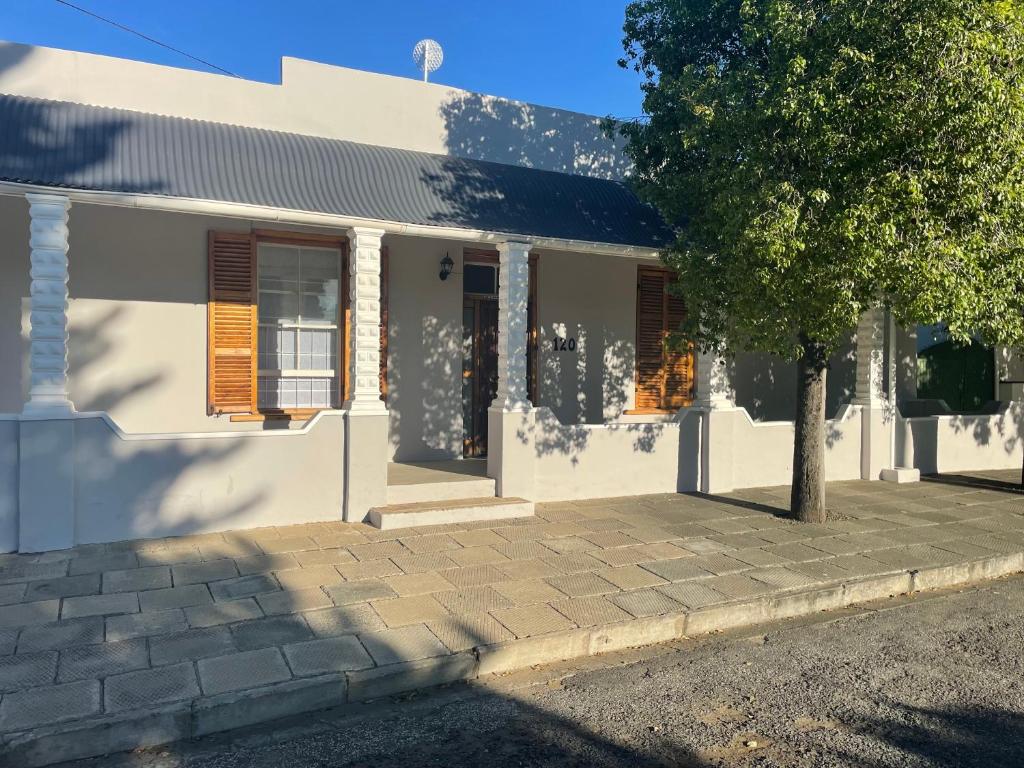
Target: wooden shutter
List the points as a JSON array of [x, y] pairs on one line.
[[231, 321], [384, 275], [664, 377], [533, 333]]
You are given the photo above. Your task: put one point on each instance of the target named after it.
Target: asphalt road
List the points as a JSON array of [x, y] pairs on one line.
[[934, 680]]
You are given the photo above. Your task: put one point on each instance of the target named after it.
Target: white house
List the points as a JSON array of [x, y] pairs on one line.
[[229, 304]]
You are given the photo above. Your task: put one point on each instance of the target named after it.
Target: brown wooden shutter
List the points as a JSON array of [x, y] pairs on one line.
[[231, 321], [533, 333], [384, 275], [664, 377]]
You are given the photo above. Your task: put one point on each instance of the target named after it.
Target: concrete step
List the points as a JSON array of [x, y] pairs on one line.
[[466, 510], [413, 493]]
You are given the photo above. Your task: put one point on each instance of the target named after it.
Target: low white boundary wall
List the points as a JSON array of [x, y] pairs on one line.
[[965, 443]]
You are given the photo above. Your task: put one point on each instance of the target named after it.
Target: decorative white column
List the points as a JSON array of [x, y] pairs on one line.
[[714, 386], [48, 359], [364, 302], [513, 298], [870, 386], [511, 419]]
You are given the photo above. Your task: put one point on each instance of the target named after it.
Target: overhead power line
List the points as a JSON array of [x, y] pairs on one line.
[[135, 32]]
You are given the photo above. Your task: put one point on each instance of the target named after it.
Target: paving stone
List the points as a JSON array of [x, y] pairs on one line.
[[590, 611], [738, 585], [527, 569], [821, 570], [288, 544], [692, 594], [97, 661], [622, 556], [327, 655], [746, 541], [576, 562], [244, 586], [858, 565], [293, 601], [378, 550], [8, 641], [630, 577], [27, 670], [569, 544], [313, 576], [63, 634], [479, 538], [191, 644], [527, 591], [175, 597], [420, 545], [277, 630], [611, 539], [29, 614], [758, 558], [402, 611], [663, 550], [403, 644], [324, 557], [582, 585], [239, 671], [359, 591], [236, 548], [676, 570], [137, 579], [719, 564], [472, 600], [144, 624], [344, 620], [99, 605], [523, 550], [12, 593], [67, 586], [645, 602], [418, 584], [266, 563], [49, 704], [112, 561], [898, 558], [784, 578], [377, 569], [150, 688], [798, 553], [533, 620], [222, 613], [198, 573], [835, 546], [171, 556], [460, 633]]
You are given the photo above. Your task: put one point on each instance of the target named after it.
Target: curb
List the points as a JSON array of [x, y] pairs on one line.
[[212, 714]]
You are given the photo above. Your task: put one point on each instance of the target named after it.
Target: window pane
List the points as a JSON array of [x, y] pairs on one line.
[[318, 349], [478, 278], [278, 306], [278, 268], [321, 308]]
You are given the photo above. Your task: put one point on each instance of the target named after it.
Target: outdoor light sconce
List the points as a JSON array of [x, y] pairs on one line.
[[446, 267]]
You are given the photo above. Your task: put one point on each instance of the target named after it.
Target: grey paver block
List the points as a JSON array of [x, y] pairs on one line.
[[359, 591], [582, 585], [324, 557], [25, 571], [99, 605], [785, 578], [577, 562], [12, 593], [692, 594], [523, 550], [287, 544], [821, 570], [403, 644], [737, 585], [378, 550], [309, 576], [197, 573], [67, 586], [759, 558], [326, 655], [191, 644], [238, 671], [621, 556], [95, 661], [150, 687], [49, 704], [145, 624], [137, 579], [169, 556], [460, 633], [590, 611], [630, 577], [278, 630], [64, 634], [402, 611], [29, 614], [566, 545], [293, 601], [244, 586], [377, 569], [472, 600], [348, 619], [527, 591], [478, 538], [222, 613], [111, 561], [438, 542], [719, 564], [676, 570], [418, 583], [266, 563], [175, 597], [27, 670], [645, 602], [518, 570], [533, 620]]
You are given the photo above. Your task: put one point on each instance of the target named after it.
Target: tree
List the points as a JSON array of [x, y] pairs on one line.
[[820, 157]]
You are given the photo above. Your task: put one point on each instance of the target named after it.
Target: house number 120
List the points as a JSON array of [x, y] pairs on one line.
[[558, 344]]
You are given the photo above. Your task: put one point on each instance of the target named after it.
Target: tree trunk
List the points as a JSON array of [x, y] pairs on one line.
[[808, 496]]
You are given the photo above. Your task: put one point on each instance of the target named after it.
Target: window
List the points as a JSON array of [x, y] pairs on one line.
[[480, 278], [297, 340], [664, 376]]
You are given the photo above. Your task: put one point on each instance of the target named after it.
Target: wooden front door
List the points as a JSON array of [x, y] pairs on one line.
[[479, 369]]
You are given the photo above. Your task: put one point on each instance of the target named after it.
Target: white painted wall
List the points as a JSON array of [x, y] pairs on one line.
[[964, 443], [323, 100]]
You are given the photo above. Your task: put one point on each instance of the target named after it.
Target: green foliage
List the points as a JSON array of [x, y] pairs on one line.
[[821, 155]]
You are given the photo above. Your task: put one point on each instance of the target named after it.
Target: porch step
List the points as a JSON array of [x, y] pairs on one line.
[[448, 511], [413, 493]]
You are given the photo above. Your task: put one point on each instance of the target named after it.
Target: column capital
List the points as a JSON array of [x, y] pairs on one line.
[[364, 233]]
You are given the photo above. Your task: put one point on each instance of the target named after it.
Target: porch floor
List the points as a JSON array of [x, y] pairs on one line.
[[208, 632], [426, 472]]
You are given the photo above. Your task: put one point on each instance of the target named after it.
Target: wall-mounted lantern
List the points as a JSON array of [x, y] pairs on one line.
[[447, 265]]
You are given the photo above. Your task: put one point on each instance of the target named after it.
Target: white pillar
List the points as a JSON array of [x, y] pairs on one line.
[[366, 428], [511, 419], [48, 359], [364, 304], [714, 385], [513, 298], [715, 401], [870, 385]]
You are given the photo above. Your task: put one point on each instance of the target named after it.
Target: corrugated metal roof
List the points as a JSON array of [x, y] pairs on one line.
[[61, 144]]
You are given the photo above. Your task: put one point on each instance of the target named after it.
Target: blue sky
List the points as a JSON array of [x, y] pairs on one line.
[[559, 53]]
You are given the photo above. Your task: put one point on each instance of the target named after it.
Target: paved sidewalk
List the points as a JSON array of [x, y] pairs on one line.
[[111, 646]]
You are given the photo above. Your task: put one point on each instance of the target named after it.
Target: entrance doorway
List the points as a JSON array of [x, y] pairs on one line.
[[479, 369]]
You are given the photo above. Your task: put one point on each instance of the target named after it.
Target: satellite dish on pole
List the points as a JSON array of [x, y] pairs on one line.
[[428, 56]]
